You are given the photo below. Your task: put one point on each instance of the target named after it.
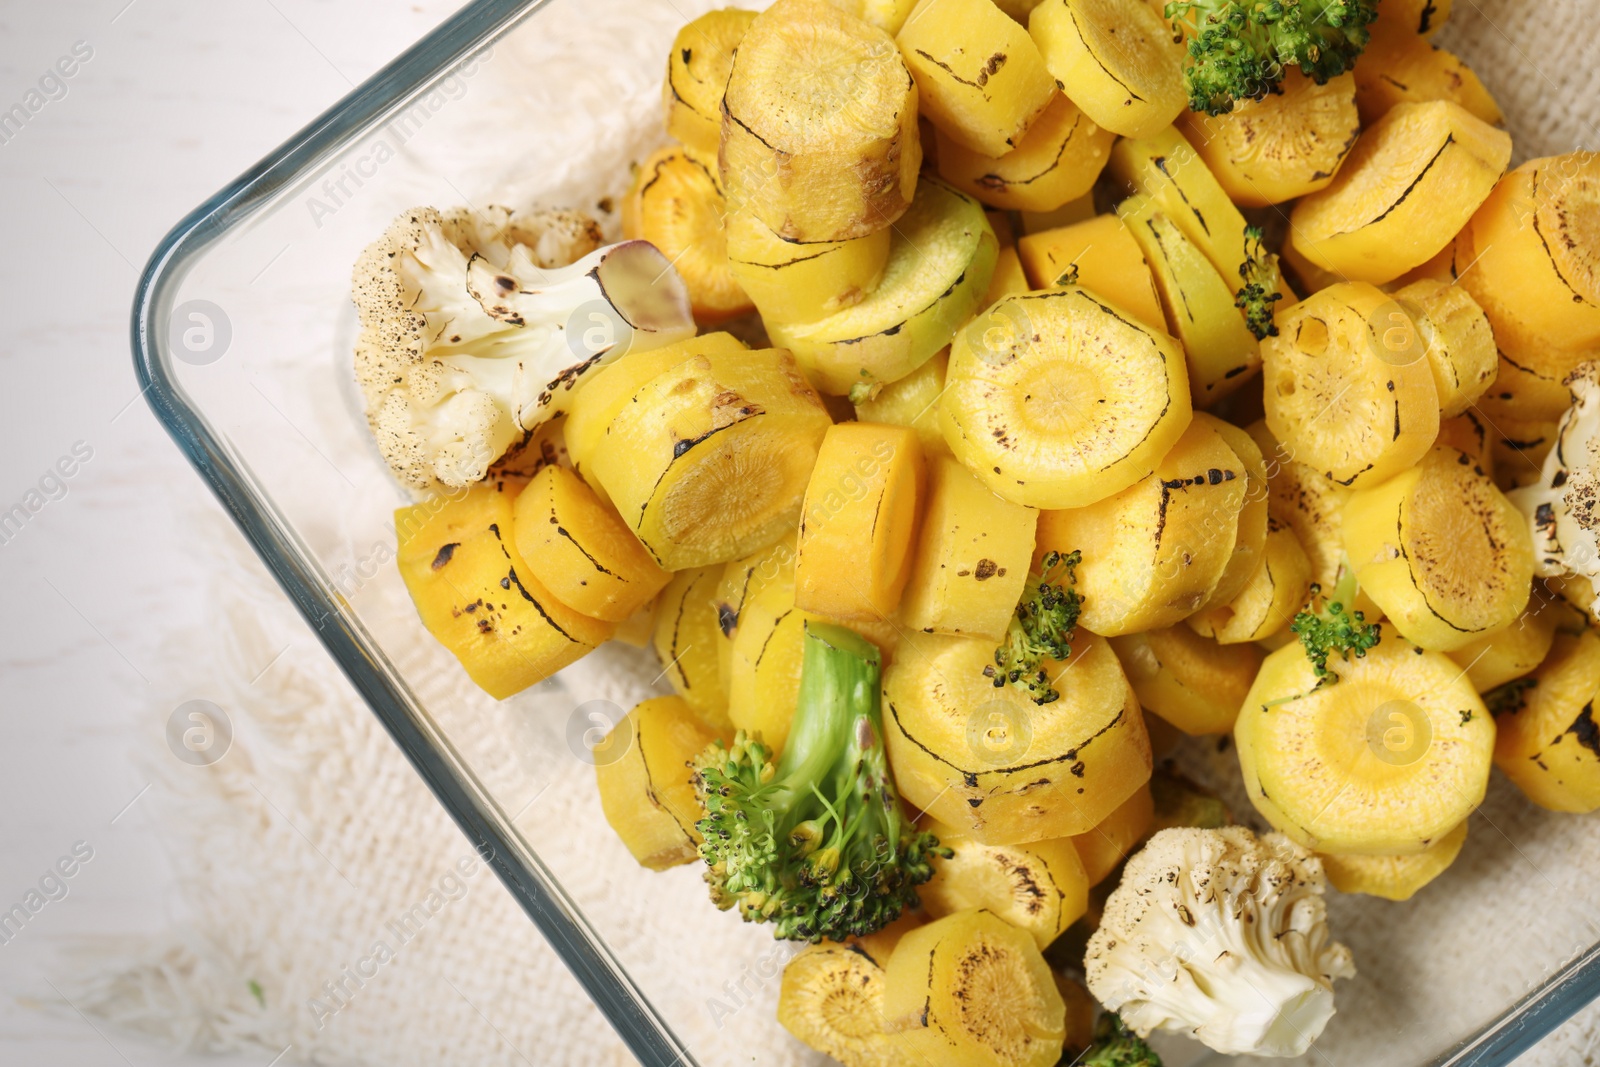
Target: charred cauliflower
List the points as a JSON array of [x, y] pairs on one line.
[[1221, 935], [1563, 506], [474, 329]]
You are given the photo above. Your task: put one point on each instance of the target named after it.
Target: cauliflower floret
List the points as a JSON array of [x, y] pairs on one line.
[[1221, 935], [477, 326], [1563, 506]]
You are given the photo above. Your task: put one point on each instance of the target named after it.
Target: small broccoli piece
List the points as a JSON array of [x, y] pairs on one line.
[[815, 844], [1240, 49], [1509, 698], [1334, 628], [1041, 629], [1259, 293], [1117, 1046]]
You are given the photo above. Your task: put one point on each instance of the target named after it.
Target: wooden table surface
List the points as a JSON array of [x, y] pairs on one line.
[[135, 112]]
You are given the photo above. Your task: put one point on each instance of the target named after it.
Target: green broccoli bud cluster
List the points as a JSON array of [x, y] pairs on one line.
[[1510, 697], [1334, 629], [1041, 628], [1116, 1046], [1240, 49], [815, 843]]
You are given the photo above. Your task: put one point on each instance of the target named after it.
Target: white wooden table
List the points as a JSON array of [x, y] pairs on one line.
[[142, 110], [135, 112]]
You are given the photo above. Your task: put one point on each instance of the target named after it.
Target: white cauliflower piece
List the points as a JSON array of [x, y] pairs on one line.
[[476, 327], [1563, 506], [1223, 936]]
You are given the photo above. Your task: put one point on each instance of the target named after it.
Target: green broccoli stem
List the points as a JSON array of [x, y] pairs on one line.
[[839, 673], [1344, 591], [816, 844]]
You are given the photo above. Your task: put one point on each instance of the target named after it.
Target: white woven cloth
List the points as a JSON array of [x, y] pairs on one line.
[[306, 846], [312, 842]]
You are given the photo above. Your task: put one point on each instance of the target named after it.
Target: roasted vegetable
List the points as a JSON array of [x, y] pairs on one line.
[[1560, 506], [1340, 400], [815, 844], [1530, 260], [1115, 59], [1250, 536], [971, 559], [1385, 762], [677, 205], [581, 550], [1311, 505], [1058, 399], [941, 258], [831, 997], [970, 988], [912, 401], [1331, 625], [1393, 877], [472, 332], [1219, 346], [1241, 50], [642, 769], [766, 646], [1459, 341], [1548, 742], [1039, 887], [1270, 599], [1409, 185], [1102, 847], [611, 390], [825, 157], [858, 524], [1285, 145], [1056, 161], [793, 282], [709, 460], [1166, 169], [994, 764], [1153, 554], [1441, 551], [1041, 629], [980, 78], [1402, 67], [1223, 936], [697, 72], [476, 594], [1099, 254], [1190, 681], [683, 635]]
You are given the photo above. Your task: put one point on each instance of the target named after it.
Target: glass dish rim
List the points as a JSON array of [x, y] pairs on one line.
[[649, 1037]]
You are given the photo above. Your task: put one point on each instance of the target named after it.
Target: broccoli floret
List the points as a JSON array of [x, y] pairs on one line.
[[1510, 697], [1259, 292], [815, 844], [1117, 1046], [1041, 628], [1240, 49], [1334, 627]]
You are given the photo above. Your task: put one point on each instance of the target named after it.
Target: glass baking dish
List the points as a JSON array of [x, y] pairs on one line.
[[242, 332]]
